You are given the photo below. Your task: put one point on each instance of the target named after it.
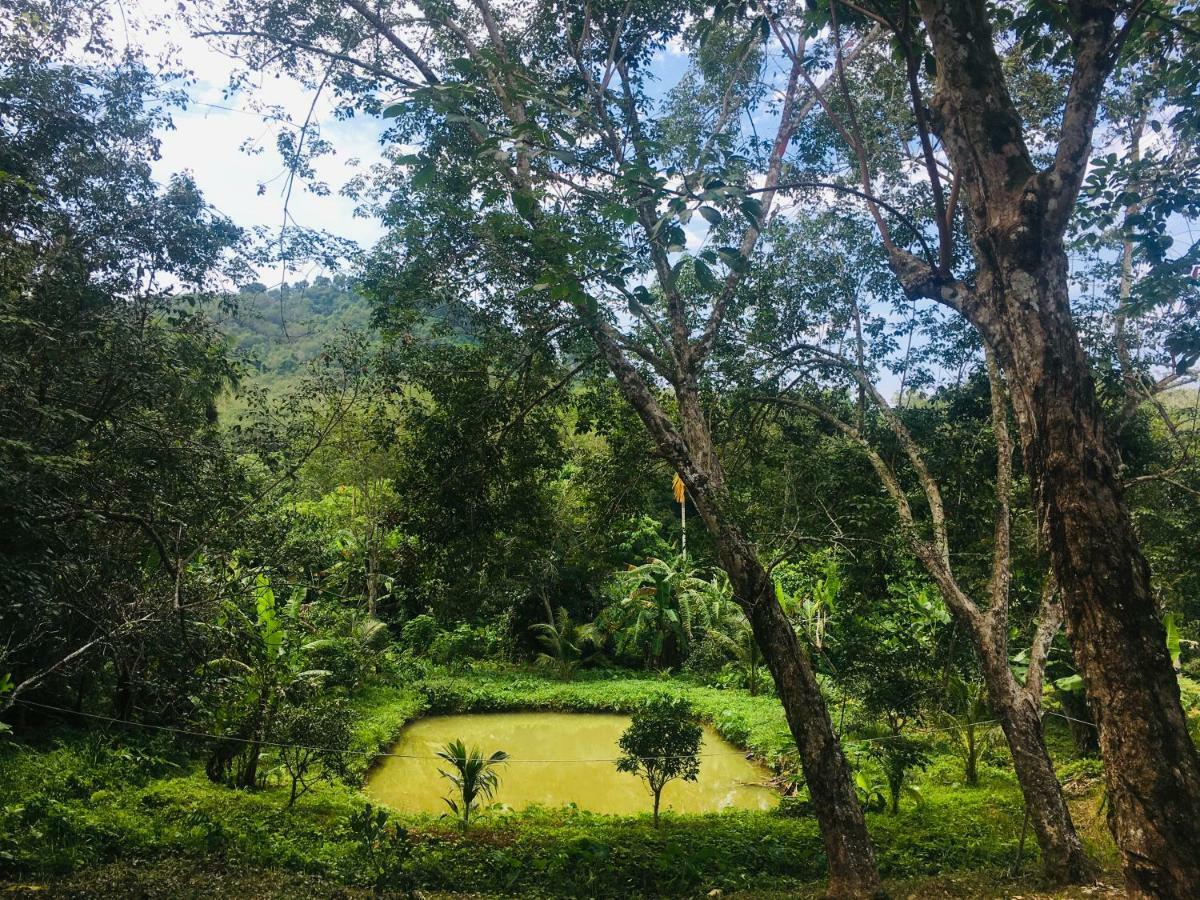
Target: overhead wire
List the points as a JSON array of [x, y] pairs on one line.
[[372, 754]]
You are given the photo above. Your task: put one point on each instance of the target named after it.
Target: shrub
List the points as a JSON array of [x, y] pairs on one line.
[[661, 744], [466, 643], [418, 633]]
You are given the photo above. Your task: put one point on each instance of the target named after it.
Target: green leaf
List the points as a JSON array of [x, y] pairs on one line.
[[422, 177], [704, 275], [752, 209], [713, 216], [1171, 623], [525, 204], [1072, 684]]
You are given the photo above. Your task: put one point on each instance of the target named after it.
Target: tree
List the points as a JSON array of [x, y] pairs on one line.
[[661, 744], [899, 755], [265, 671], [535, 139], [474, 777], [1017, 706], [109, 371], [314, 736], [1016, 213]]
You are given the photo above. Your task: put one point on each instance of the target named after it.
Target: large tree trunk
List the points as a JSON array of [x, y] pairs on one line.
[[1063, 856], [1151, 765], [1020, 303], [852, 869]]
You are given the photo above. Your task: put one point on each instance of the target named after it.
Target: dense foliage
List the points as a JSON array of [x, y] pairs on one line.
[[635, 360]]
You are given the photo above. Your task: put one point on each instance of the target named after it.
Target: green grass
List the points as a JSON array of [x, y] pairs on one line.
[[86, 802], [381, 712], [752, 723], [565, 852]]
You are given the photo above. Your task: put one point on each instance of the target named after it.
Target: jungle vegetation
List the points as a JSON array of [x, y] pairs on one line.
[[825, 371]]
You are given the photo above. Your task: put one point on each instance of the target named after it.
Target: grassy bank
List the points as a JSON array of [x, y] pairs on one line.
[[87, 801]]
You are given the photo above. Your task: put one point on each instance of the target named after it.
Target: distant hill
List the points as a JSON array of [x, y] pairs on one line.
[[275, 333]]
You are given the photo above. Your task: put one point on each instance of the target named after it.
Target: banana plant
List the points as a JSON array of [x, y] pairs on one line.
[[968, 722], [661, 607], [268, 661], [811, 609]]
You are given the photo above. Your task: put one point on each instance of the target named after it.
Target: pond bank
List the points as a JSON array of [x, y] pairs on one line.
[[84, 803], [559, 759]]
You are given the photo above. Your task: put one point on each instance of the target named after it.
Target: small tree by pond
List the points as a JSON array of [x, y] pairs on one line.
[[475, 778], [662, 743], [314, 736]]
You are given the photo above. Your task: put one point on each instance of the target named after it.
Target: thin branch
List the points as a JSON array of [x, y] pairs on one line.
[[374, 69], [382, 28]]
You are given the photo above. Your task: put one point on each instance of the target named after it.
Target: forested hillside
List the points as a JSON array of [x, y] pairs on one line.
[[278, 333]]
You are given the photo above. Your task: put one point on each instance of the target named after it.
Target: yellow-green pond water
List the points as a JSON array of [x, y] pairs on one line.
[[557, 759]]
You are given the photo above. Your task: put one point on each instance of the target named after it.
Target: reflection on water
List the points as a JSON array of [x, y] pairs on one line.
[[571, 750]]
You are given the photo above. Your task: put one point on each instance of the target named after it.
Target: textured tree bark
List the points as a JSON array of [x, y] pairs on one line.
[[1063, 856], [852, 869], [1021, 304], [1151, 766]]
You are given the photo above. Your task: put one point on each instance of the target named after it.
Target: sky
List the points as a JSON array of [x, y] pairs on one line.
[[230, 149]]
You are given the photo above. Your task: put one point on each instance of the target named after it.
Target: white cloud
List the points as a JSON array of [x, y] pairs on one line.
[[209, 136]]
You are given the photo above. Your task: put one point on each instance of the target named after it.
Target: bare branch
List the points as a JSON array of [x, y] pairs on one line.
[[1049, 620], [384, 30]]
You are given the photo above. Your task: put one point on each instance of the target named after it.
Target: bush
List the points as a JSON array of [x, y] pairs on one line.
[[418, 633], [466, 643]]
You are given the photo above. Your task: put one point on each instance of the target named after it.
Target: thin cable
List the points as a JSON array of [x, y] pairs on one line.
[[1073, 719], [219, 737], [264, 743]]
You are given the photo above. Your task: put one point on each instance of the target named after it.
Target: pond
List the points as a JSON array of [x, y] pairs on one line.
[[558, 759]]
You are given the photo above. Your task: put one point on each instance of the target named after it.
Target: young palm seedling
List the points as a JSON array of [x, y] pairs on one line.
[[474, 777]]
